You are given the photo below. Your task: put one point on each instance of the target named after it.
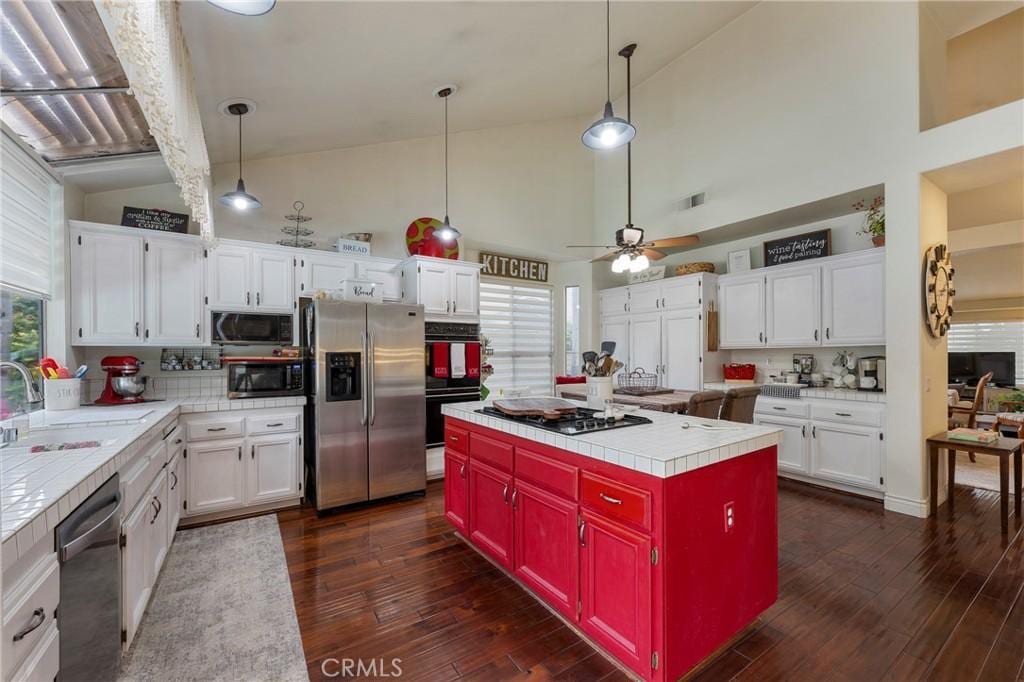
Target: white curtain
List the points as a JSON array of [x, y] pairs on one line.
[[147, 37]]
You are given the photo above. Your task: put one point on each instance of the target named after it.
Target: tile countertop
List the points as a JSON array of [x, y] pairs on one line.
[[817, 393], [39, 490], [663, 448]]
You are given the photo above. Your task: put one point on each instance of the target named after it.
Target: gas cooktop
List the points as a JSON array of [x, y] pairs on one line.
[[584, 421]]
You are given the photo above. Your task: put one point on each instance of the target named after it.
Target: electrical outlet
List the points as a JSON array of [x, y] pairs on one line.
[[730, 517]]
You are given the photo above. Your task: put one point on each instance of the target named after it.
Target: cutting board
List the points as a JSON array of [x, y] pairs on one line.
[[548, 408]]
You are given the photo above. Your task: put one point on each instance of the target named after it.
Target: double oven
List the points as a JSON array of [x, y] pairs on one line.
[[441, 391]]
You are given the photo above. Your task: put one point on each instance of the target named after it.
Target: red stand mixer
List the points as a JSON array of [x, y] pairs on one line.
[[124, 385]]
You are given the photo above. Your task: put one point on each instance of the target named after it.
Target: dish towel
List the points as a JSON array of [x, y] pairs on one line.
[[458, 360], [439, 359], [473, 360]]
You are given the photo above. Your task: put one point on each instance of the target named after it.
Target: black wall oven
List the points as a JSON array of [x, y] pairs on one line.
[[441, 391]]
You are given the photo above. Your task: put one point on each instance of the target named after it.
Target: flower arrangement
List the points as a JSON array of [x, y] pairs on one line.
[[874, 221]]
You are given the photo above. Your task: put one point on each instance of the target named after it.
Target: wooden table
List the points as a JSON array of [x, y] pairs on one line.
[[663, 402], [1004, 448]]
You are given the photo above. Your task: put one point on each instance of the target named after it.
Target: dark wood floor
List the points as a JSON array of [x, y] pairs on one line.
[[863, 595]]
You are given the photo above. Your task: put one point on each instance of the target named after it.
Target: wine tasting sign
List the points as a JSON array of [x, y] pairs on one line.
[[798, 247]]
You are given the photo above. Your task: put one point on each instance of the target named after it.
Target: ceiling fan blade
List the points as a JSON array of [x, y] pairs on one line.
[[589, 246], [608, 256], [653, 254], [673, 242]]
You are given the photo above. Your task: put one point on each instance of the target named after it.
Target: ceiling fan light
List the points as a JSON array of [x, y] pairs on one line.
[[640, 263], [608, 132], [240, 199], [621, 264], [249, 8]]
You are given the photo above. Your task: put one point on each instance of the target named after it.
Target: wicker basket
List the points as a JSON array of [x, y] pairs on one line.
[[638, 380], [691, 268]]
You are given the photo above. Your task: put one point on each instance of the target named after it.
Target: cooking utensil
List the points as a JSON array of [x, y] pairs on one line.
[[608, 347], [80, 372], [63, 373], [548, 408], [607, 363]]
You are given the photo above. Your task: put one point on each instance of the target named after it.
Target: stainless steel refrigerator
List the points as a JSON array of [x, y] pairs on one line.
[[365, 415]]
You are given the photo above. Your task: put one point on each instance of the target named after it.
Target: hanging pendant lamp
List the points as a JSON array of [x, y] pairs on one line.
[[239, 199], [609, 131], [446, 233]]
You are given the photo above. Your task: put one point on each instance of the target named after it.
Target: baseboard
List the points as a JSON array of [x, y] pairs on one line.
[[834, 486], [234, 514], [906, 505]]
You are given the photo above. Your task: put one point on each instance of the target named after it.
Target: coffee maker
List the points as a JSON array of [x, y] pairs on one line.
[[124, 385], [871, 373]]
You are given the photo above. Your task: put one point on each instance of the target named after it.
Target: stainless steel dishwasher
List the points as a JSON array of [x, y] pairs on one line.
[[89, 615]]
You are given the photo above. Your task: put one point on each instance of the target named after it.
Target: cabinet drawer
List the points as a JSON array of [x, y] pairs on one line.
[[34, 606], [141, 474], [616, 500], [493, 452], [213, 429], [275, 423], [547, 473], [456, 439], [782, 407], [848, 414], [44, 663]]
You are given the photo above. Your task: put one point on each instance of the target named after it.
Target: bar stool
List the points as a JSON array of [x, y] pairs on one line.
[[705, 404], [739, 404]]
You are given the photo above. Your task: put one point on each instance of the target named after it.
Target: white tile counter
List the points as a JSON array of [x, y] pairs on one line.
[[815, 393], [38, 490], [663, 448]]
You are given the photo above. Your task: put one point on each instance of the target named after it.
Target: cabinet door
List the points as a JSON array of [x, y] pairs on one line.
[[645, 298], [272, 471], [853, 308], [456, 490], [681, 350], [388, 276], [615, 582], [490, 511], [614, 301], [793, 313], [795, 448], [465, 292], [546, 546], [849, 454], [434, 288], [274, 281], [107, 292], [136, 578], [175, 483], [325, 272], [174, 291], [215, 476], [229, 277], [741, 312], [158, 538], [617, 329], [645, 342], [681, 292]]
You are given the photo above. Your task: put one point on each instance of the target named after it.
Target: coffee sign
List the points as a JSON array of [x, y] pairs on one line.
[[154, 219], [798, 247], [513, 267]]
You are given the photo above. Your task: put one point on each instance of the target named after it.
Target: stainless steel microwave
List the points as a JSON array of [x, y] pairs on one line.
[[251, 329]]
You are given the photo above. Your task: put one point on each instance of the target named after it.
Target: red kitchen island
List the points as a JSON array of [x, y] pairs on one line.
[[658, 542]]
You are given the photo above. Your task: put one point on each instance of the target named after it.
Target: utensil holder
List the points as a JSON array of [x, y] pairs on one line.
[[599, 389], [62, 394]]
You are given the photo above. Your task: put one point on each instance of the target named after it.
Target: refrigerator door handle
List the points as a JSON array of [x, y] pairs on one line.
[[363, 377], [373, 378]]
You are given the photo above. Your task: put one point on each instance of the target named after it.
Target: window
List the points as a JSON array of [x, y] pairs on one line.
[[573, 361], [26, 215], [517, 318], [990, 337], [21, 340]]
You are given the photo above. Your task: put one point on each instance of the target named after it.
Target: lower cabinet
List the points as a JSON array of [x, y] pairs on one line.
[[795, 449], [545, 544], [175, 486], [145, 543], [846, 453], [215, 476], [456, 490], [490, 511], [272, 472]]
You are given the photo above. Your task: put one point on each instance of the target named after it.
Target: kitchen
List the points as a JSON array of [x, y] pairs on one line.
[[280, 348]]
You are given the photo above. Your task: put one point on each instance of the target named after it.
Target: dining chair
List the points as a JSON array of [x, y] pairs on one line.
[[738, 405], [965, 414], [705, 404]]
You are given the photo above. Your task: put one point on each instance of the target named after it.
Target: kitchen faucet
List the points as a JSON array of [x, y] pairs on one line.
[[32, 395]]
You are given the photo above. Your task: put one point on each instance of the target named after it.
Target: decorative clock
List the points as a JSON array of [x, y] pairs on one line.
[[938, 289]]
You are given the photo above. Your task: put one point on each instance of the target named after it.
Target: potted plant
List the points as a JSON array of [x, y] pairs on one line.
[[874, 220], [1012, 402]]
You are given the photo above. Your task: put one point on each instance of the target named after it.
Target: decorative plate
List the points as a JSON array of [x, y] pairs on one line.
[[420, 240], [938, 289]]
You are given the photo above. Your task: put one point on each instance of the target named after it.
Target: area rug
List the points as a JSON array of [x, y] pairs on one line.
[[981, 474], [222, 610]]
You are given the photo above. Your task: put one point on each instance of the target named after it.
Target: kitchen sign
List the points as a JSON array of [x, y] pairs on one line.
[[154, 219], [798, 247], [513, 267]]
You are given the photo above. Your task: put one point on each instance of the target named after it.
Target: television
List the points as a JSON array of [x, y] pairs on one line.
[[967, 368]]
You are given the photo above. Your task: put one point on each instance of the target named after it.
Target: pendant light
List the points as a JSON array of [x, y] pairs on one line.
[[609, 131], [446, 233], [239, 199]]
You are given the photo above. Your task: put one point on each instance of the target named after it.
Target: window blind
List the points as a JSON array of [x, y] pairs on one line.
[[517, 318], [990, 337], [26, 200]]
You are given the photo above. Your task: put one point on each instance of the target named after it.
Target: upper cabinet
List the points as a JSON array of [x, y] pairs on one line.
[[173, 291], [228, 277], [447, 289], [246, 278], [853, 310], [614, 301], [326, 270], [793, 307], [273, 280], [107, 287], [741, 311], [386, 274]]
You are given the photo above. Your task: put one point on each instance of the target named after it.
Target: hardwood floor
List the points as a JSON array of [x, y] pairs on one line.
[[863, 595]]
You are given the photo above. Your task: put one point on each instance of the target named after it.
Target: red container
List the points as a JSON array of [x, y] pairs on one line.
[[739, 371]]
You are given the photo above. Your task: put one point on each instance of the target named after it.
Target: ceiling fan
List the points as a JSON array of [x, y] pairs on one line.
[[630, 251]]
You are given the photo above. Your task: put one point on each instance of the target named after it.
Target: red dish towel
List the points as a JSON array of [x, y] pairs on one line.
[[473, 360], [439, 359]]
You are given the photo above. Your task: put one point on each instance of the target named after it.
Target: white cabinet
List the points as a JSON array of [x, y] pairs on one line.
[[793, 307], [741, 311], [136, 567], [614, 301], [272, 471], [324, 271], [447, 290], [175, 486], [274, 280], [794, 450], [465, 292], [853, 310], [645, 298], [645, 343], [847, 454], [385, 274], [107, 287], [681, 350], [159, 541], [681, 292], [433, 286], [243, 278], [215, 476], [617, 329], [174, 291]]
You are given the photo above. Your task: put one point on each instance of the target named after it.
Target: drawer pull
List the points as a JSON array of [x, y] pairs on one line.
[[504, 493], [454, 439], [219, 428], [38, 617], [175, 485], [462, 471], [515, 494], [583, 524], [177, 441], [780, 409], [843, 414], [609, 500], [270, 426]]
